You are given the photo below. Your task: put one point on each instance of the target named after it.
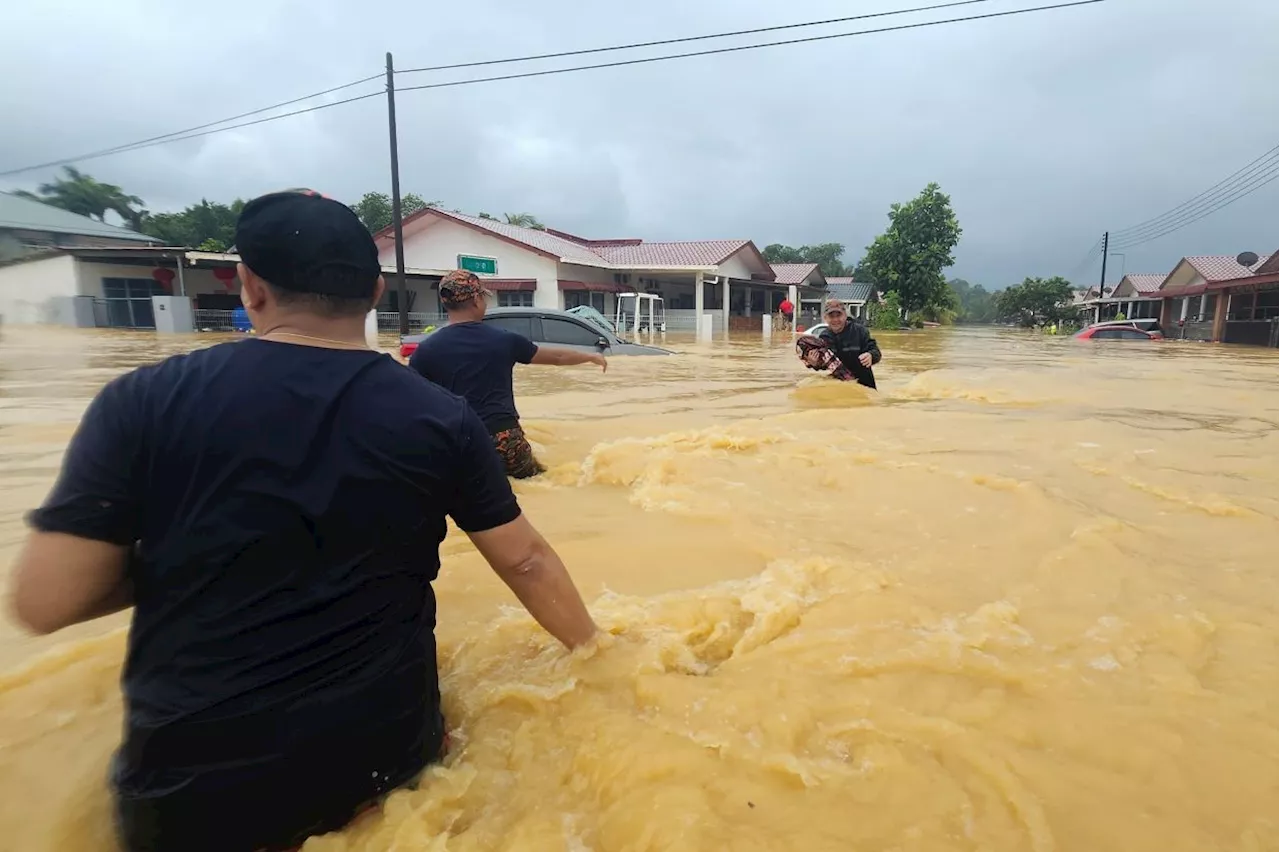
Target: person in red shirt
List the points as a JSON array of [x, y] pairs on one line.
[[787, 310]]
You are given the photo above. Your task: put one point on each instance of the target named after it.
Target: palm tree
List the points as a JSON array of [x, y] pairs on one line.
[[524, 220], [77, 192]]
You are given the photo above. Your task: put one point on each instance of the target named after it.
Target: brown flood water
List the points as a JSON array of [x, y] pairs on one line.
[[1024, 599]]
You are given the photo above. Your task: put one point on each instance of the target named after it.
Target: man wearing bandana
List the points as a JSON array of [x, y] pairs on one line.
[[475, 360]]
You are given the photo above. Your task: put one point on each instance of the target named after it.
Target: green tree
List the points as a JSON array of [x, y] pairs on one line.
[[826, 255], [77, 192], [974, 303], [887, 313], [908, 258], [523, 220], [1037, 301], [374, 208], [209, 225]]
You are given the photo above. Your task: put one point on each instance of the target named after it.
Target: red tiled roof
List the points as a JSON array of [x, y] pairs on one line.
[[1220, 267], [511, 284], [840, 279], [1145, 282], [699, 253], [792, 273], [1270, 266]]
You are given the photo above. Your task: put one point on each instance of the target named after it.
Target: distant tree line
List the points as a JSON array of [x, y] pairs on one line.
[[208, 225]]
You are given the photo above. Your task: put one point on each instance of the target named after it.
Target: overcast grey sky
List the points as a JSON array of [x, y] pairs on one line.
[[1045, 129]]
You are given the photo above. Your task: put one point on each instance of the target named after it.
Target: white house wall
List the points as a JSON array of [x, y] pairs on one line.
[[27, 288], [195, 280], [737, 267], [431, 243]]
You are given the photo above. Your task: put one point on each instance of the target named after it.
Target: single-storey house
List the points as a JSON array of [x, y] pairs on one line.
[[1215, 298], [554, 269], [112, 286], [1135, 297], [28, 226], [854, 294]]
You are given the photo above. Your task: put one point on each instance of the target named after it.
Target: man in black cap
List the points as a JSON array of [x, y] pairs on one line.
[[273, 510]]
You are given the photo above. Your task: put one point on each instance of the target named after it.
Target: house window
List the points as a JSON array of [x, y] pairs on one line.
[[128, 301], [515, 299], [1253, 307], [579, 298]]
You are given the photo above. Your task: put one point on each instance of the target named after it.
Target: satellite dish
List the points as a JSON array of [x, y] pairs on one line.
[[1246, 258]]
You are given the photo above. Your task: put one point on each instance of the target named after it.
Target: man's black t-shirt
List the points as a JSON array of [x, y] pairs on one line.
[[285, 504], [474, 360]]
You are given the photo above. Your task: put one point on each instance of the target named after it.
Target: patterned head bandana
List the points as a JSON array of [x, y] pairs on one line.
[[833, 306], [459, 287]]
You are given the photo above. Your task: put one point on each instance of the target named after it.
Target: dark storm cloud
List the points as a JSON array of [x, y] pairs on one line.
[[1045, 129]]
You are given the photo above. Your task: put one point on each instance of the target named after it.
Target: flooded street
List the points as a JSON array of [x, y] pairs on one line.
[[1023, 599]]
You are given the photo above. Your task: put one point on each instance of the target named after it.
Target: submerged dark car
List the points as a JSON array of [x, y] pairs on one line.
[[554, 328]]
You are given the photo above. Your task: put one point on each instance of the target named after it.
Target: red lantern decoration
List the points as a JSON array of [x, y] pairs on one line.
[[164, 277], [225, 274]]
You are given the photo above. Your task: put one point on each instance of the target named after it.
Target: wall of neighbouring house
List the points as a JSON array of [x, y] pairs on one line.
[[1185, 275], [738, 266], [195, 281], [431, 243], [26, 289]]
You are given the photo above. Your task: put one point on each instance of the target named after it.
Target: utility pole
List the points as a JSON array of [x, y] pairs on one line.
[[1102, 281], [396, 222], [1106, 241]]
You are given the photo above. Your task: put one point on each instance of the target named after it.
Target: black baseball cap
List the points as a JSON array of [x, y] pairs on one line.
[[302, 241]]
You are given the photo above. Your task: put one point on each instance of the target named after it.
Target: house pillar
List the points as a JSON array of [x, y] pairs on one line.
[[1166, 313], [724, 305], [699, 302], [1220, 316]]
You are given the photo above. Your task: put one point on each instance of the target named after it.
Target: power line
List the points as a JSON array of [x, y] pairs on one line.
[[1260, 181], [1208, 203], [739, 48], [166, 140], [636, 45], [172, 137], [1144, 225], [1094, 252], [213, 127]]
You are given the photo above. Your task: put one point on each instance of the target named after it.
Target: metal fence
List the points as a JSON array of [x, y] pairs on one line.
[[206, 319], [389, 321]]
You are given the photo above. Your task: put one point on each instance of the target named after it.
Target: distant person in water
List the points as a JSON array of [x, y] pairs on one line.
[[851, 342], [273, 510], [787, 310], [475, 359]]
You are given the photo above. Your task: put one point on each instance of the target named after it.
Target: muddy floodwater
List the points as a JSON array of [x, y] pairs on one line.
[[1025, 598]]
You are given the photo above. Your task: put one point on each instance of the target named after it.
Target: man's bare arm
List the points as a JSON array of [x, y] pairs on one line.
[[59, 580], [532, 569], [555, 357]]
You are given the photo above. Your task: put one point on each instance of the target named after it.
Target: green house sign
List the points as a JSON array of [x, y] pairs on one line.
[[478, 265]]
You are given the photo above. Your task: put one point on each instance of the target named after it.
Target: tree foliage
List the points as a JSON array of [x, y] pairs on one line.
[[908, 258], [374, 208], [1037, 301], [77, 192], [974, 303], [826, 255], [210, 226], [523, 220], [887, 313]]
